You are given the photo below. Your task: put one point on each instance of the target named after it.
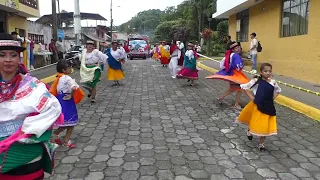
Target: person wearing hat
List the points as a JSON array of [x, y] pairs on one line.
[[189, 70], [90, 70], [231, 71], [115, 60], [28, 112]]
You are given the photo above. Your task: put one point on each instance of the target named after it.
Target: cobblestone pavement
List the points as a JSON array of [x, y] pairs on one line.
[[153, 127]]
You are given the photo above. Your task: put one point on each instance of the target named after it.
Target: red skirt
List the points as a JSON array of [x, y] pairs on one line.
[[164, 60], [39, 175], [187, 73]]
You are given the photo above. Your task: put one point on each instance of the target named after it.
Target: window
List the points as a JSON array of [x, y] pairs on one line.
[[36, 38], [295, 17], [21, 32], [243, 33]]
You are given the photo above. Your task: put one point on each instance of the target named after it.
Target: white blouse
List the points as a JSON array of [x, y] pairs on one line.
[[190, 54], [96, 57], [117, 54], [176, 53], [254, 89], [66, 84]]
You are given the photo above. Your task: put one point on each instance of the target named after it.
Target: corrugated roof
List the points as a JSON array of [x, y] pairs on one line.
[[47, 19]]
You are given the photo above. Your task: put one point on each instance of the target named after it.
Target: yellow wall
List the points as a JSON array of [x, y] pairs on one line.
[[297, 56], [31, 12], [17, 22]]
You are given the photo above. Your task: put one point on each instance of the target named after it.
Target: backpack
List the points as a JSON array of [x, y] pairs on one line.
[[259, 47]]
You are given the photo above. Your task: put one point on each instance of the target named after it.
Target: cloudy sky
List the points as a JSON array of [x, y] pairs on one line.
[[121, 14]]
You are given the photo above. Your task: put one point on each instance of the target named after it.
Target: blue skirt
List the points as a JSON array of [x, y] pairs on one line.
[[69, 110]]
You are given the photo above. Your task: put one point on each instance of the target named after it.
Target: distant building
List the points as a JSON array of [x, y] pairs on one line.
[[14, 14], [288, 31]]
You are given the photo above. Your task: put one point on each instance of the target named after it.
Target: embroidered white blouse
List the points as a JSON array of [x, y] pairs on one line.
[[254, 89], [66, 83], [96, 57], [31, 97]]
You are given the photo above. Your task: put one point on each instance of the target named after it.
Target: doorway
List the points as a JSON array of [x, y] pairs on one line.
[[3, 22]]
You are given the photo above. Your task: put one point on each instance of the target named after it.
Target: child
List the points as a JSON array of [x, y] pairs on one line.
[[260, 113], [69, 94]]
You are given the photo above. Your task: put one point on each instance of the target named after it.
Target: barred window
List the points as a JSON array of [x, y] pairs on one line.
[[36, 38], [243, 17], [295, 17]]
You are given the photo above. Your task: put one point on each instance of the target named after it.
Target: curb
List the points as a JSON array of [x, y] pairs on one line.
[[50, 79], [300, 107]]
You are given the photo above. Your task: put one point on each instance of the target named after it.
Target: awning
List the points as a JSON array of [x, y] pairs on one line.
[[93, 38], [238, 6]]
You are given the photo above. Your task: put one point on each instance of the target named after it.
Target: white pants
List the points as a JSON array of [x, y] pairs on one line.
[[173, 65]]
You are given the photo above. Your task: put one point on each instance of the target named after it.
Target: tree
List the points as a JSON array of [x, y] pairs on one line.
[[223, 30]]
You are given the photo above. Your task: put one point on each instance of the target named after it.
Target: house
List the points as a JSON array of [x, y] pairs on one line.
[[96, 33], [14, 14], [287, 29]]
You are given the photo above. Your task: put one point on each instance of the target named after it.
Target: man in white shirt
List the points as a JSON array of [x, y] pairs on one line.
[[61, 48], [175, 54], [253, 52]]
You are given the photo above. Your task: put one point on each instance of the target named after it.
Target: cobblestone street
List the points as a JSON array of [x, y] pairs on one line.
[[155, 127]]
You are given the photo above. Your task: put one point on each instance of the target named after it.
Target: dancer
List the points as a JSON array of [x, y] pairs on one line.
[[115, 61], [28, 112], [69, 94], [156, 52], [260, 113], [231, 71], [165, 55], [175, 56], [90, 71], [189, 70]]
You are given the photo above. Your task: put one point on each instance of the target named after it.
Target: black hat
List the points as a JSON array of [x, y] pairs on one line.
[[7, 43]]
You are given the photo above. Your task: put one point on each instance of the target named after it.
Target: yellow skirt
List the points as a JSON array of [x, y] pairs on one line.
[[259, 124], [115, 75]]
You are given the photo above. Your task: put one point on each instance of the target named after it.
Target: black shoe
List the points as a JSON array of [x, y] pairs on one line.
[[89, 95], [250, 137]]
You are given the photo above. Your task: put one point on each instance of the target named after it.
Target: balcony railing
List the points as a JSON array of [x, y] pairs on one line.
[[31, 3]]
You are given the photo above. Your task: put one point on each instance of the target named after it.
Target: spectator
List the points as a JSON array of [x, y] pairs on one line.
[[60, 48], [254, 52], [53, 50]]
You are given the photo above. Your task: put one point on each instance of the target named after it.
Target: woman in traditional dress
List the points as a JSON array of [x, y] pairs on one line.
[[28, 112], [69, 94], [231, 71], [115, 60], [175, 56], [260, 113], [90, 71], [165, 55], [189, 70]]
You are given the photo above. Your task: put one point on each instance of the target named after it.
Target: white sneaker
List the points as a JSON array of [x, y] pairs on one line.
[[173, 77]]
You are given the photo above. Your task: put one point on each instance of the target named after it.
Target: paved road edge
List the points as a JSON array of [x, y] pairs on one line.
[[300, 107]]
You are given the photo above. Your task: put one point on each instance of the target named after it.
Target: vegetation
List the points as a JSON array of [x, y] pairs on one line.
[[186, 22]]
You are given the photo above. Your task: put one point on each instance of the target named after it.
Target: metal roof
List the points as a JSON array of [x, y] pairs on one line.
[[47, 19]]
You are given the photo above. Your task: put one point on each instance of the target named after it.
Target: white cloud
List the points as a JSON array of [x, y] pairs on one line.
[[127, 9]]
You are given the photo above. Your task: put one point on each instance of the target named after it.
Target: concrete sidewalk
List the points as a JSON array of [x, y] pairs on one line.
[[301, 96]]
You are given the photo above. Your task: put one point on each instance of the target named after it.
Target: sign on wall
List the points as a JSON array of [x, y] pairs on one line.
[[239, 25], [12, 4]]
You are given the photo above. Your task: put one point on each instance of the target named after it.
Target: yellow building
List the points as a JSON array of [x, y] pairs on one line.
[[14, 14], [289, 32]]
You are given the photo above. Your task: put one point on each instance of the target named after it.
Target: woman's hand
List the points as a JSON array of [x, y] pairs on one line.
[[67, 97]]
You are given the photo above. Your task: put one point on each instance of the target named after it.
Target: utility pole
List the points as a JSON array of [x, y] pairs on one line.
[[54, 20], [59, 21], [111, 21], [77, 21]]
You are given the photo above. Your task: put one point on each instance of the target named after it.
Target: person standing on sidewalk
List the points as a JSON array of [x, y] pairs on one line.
[[254, 52], [61, 48], [53, 50]]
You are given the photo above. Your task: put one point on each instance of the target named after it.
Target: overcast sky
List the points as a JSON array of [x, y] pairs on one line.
[[127, 9]]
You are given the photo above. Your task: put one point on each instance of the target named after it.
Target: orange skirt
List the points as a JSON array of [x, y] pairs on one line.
[[238, 77]]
